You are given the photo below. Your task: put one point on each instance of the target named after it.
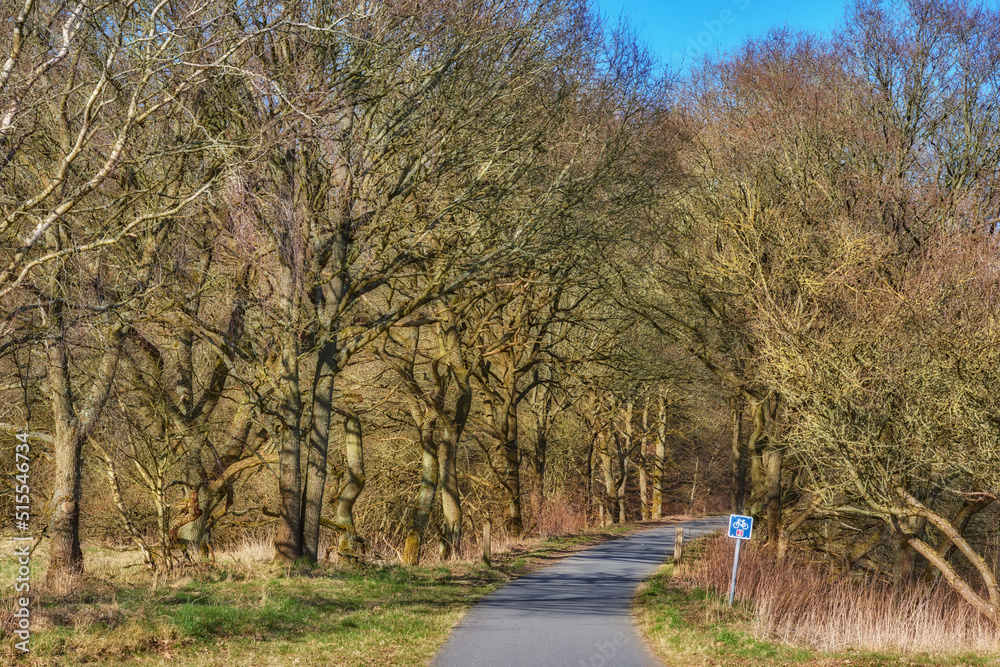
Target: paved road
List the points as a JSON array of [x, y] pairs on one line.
[[574, 613]]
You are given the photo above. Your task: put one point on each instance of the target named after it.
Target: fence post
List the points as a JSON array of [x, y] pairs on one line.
[[678, 544]]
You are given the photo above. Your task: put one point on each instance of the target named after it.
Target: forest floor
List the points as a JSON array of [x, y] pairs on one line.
[[685, 625], [245, 611]]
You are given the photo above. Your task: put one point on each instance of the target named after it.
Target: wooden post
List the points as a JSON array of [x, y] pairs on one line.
[[487, 542], [678, 544]]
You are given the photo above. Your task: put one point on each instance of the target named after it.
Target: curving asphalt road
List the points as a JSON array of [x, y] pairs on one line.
[[574, 613]]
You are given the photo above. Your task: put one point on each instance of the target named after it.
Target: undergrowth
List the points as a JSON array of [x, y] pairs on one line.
[[796, 613]]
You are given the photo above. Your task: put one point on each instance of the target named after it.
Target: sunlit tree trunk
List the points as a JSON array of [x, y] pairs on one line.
[[738, 483], [660, 458], [349, 544], [429, 460], [625, 451], [451, 502], [774, 459], [622, 489], [318, 449], [512, 473], [641, 458], [288, 540], [755, 448], [75, 418], [610, 488]]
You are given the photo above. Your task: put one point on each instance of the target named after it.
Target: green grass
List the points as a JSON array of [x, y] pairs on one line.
[[388, 615], [688, 626], [238, 615]]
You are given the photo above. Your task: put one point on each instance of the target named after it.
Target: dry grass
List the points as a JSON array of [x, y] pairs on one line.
[[799, 603], [250, 556], [560, 515]]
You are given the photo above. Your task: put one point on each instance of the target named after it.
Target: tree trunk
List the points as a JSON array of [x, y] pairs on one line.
[[451, 505], [989, 607], [71, 431], [451, 502], [629, 441], [536, 463], [487, 542], [610, 490], [500, 413], [318, 449], [755, 448], [426, 494], [288, 541], [74, 423], [451, 349], [643, 490], [213, 494], [789, 527], [660, 460], [512, 474], [694, 484], [645, 509], [965, 514], [904, 555], [329, 298], [590, 478], [65, 556], [193, 521], [541, 406], [349, 544], [774, 459], [116, 496], [622, 491], [738, 490], [162, 519]]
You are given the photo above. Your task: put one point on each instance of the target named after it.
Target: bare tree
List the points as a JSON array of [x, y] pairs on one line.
[[406, 156]]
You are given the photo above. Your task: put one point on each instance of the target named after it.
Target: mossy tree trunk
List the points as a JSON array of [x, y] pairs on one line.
[[349, 544]]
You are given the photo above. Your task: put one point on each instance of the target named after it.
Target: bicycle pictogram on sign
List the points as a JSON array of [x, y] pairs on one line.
[[740, 527]]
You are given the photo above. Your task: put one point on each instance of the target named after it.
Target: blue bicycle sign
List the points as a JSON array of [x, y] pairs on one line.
[[740, 527]]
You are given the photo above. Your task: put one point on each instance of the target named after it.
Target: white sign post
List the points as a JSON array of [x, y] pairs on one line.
[[740, 528]]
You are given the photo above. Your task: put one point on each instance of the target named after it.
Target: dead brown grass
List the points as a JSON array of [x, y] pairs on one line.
[[802, 604], [560, 515]]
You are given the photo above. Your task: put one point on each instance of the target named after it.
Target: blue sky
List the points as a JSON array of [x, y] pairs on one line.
[[676, 29]]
